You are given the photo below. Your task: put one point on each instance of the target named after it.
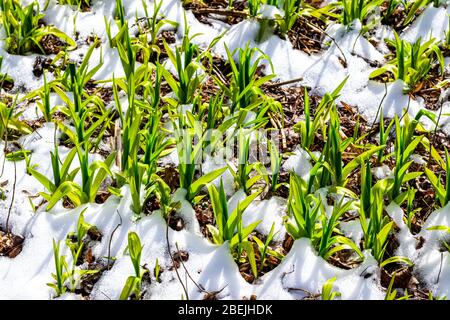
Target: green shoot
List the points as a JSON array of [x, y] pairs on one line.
[[132, 287], [327, 290], [24, 33]]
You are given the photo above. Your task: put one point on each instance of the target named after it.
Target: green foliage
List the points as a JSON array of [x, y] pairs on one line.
[[242, 175], [384, 135], [442, 190], [405, 144], [308, 127], [392, 6], [132, 287], [291, 9], [190, 71], [275, 166], [334, 171], [188, 156], [92, 173], [329, 243], [303, 207], [61, 275], [227, 224], [75, 240], [327, 290], [376, 226], [66, 278], [412, 62], [244, 88], [61, 173], [265, 250], [253, 7], [311, 222], [230, 227], [357, 10], [163, 193], [10, 122], [152, 26], [413, 7], [23, 29]]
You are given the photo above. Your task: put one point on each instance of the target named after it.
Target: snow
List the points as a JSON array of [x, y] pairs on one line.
[[352, 229], [432, 264], [299, 162], [270, 12], [267, 212], [302, 270], [382, 172], [432, 23], [407, 247], [212, 266]]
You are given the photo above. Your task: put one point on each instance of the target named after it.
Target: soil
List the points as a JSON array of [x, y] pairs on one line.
[[10, 244]]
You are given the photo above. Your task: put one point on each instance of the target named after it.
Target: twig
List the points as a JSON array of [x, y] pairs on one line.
[[309, 294], [440, 268], [379, 107], [407, 109], [279, 84], [222, 12], [326, 33], [187, 272], [199, 286], [12, 198], [173, 260], [110, 239], [105, 294]]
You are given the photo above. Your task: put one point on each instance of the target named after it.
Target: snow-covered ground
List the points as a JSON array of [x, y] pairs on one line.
[[210, 266]]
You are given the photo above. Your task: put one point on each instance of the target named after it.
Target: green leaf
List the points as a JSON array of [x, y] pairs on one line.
[[248, 247], [131, 285], [135, 250], [70, 189], [396, 259], [202, 181], [327, 289]]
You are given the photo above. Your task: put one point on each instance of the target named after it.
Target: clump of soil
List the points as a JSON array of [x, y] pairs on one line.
[[176, 223], [41, 64], [403, 276], [6, 84], [170, 176], [306, 35], [205, 216], [151, 204], [52, 44], [179, 257], [10, 244]]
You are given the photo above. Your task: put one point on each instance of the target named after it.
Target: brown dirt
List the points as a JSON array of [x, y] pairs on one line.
[[41, 64], [306, 38], [205, 216], [196, 5], [178, 257], [10, 245], [52, 44], [170, 176]]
